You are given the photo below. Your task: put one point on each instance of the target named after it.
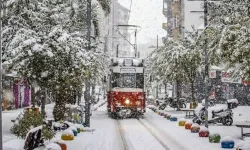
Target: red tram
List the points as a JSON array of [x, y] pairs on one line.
[[126, 96]]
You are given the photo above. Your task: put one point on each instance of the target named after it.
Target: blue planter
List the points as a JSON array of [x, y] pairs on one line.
[[75, 132], [228, 144], [173, 119], [195, 130]]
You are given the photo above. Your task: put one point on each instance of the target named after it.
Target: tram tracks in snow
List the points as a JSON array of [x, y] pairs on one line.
[[124, 142], [128, 143]]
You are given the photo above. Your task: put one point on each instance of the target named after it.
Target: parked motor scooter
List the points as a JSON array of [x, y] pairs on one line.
[[224, 116], [172, 102]]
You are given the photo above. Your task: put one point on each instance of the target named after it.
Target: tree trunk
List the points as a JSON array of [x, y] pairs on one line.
[[59, 108], [93, 93], [43, 102], [33, 96], [178, 93], [87, 101], [192, 91]]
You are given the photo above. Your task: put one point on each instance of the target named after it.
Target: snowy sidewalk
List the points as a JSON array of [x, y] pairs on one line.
[[190, 140]]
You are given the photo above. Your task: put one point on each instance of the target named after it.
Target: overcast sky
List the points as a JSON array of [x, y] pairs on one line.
[[148, 15]]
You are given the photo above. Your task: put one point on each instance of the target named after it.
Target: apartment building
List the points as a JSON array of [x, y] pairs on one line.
[[116, 45], [182, 16]]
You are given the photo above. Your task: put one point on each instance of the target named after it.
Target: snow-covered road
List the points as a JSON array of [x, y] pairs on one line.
[[135, 136], [153, 132]]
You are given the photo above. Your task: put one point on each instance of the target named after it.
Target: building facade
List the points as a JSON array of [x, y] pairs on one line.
[[183, 16], [116, 45]]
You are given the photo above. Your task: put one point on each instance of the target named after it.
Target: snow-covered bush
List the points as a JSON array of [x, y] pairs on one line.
[[29, 121]]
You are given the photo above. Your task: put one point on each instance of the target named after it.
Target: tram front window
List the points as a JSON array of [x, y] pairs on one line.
[[126, 80]]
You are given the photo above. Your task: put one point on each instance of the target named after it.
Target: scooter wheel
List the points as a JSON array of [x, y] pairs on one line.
[[228, 121]]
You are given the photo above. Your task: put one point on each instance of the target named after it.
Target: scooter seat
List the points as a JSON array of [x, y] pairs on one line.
[[217, 111]]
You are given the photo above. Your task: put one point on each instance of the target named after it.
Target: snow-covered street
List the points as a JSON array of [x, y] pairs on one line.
[[148, 133]]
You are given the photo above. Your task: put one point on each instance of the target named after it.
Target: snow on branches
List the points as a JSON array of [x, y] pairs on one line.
[[233, 17]]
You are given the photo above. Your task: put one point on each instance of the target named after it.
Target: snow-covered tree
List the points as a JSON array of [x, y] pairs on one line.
[[232, 18], [166, 63], [45, 42]]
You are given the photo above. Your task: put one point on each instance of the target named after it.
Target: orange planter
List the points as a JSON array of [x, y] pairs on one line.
[[188, 126], [63, 146]]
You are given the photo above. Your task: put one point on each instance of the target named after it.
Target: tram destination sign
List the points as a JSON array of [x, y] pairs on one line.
[[128, 70]]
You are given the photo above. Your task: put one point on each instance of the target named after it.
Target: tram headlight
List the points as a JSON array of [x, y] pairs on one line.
[[127, 101]]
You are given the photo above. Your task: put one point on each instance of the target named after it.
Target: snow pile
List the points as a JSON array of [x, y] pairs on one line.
[[195, 125], [34, 130], [240, 144], [15, 144], [182, 119], [189, 122], [151, 106], [198, 109], [233, 101], [227, 139], [57, 125], [161, 111], [246, 146], [53, 146], [69, 123], [204, 129], [73, 128], [79, 126], [68, 132]]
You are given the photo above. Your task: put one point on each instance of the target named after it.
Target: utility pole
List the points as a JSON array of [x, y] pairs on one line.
[[87, 82], [1, 79], [157, 87], [206, 63]]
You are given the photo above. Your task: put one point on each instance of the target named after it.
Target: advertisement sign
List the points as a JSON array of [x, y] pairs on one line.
[[212, 74], [226, 77]]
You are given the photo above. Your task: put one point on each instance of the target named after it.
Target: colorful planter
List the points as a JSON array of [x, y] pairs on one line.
[[188, 126], [227, 144], [165, 115], [214, 138], [203, 133], [168, 117], [67, 137], [195, 129], [62, 145], [173, 119], [182, 123], [75, 132]]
